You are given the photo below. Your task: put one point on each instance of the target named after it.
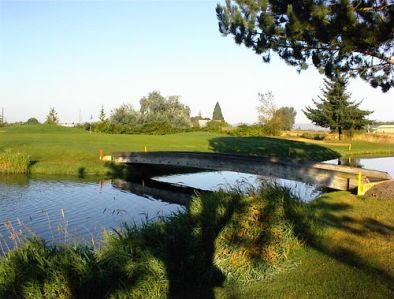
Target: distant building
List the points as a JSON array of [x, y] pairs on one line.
[[68, 125], [388, 129]]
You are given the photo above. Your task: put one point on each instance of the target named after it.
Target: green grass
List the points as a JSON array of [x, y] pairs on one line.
[[58, 150], [14, 162], [353, 258]]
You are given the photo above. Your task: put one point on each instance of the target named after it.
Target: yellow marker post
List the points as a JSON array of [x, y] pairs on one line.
[[145, 149], [359, 186], [350, 147], [101, 156]]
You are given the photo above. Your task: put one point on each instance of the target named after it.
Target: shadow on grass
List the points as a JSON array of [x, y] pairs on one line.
[[184, 243], [331, 215], [275, 147], [81, 172]]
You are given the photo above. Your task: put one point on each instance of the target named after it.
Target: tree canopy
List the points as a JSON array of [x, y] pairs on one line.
[[353, 37], [335, 109], [217, 113], [157, 109], [286, 116], [32, 121], [125, 114], [52, 117]]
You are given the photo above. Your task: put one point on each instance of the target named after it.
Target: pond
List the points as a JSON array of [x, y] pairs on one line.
[[378, 163], [64, 209]]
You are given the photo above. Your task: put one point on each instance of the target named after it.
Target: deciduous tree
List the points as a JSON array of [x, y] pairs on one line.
[[125, 115], [286, 116], [52, 117], [267, 113], [160, 110]]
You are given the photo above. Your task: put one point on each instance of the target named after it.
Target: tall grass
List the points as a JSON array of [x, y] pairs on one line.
[[221, 238], [14, 162]]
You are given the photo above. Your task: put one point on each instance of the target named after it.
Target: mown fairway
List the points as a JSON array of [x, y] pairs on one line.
[[58, 150]]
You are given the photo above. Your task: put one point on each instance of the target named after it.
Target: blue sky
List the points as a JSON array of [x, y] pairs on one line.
[[77, 56]]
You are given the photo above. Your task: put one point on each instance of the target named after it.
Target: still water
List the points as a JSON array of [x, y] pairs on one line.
[[64, 209], [382, 163]]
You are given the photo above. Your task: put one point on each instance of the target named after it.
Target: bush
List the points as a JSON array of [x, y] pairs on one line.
[[216, 126], [247, 130], [313, 136], [32, 121]]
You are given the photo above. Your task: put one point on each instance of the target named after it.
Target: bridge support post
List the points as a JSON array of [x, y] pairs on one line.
[[359, 184]]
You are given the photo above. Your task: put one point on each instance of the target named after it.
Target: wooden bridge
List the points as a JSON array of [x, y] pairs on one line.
[[320, 174]]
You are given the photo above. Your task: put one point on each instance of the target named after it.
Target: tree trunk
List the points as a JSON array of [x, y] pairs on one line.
[[340, 133]]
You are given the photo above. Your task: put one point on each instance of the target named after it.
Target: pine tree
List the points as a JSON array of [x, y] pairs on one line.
[[102, 116], [217, 113], [352, 37], [335, 109]]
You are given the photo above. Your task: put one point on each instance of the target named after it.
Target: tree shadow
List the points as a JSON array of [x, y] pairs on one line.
[[185, 244], [81, 172], [326, 215], [273, 147]]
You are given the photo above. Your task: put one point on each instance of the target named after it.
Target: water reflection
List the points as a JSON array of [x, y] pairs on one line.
[[377, 163], [228, 180], [78, 210]]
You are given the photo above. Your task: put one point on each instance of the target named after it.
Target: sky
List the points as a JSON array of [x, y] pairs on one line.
[[76, 56]]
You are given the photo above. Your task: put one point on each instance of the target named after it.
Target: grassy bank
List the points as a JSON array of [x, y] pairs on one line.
[[58, 150], [221, 239], [264, 245], [12, 162], [354, 258]]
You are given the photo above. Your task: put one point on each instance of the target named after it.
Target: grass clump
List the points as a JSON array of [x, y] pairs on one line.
[[14, 162], [38, 270], [256, 243]]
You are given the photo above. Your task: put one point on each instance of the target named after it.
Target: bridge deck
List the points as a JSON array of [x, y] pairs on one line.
[[326, 175]]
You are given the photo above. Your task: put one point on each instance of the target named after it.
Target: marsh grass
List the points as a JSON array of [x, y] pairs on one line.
[[220, 238], [14, 162]]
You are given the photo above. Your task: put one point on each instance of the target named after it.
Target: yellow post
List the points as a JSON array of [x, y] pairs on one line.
[[101, 156], [359, 186], [145, 149], [350, 147]]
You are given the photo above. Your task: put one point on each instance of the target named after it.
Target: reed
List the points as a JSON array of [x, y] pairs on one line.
[[14, 162]]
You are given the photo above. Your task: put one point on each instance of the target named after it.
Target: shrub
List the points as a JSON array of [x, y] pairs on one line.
[[313, 136], [216, 126], [32, 121], [247, 130]]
